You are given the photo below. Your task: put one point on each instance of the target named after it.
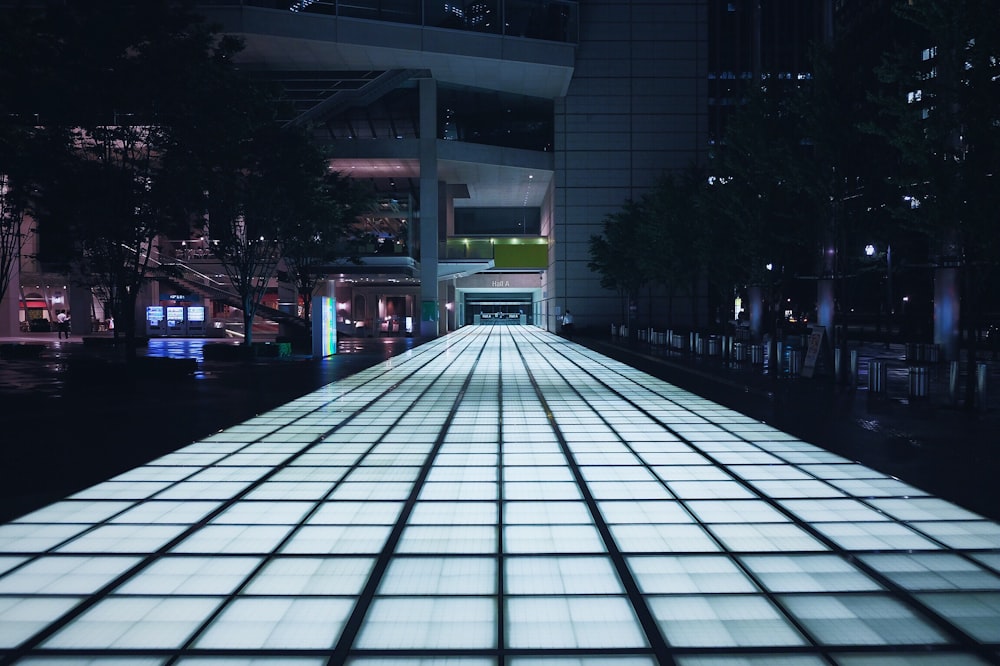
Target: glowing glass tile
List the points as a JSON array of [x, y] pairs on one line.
[[464, 491], [453, 513], [550, 474], [337, 539], [115, 490], [413, 576], [633, 490], [963, 534], [743, 511], [808, 573], [65, 575], [34, 538], [429, 623], [135, 622], [688, 574], [925, 508], [269, 623], [833, 510], [263, 513], [875, 536], [203, 490], [709, 490], [228, 474], [768, 472], [552, 539], [560, 576], [723, 621], [755, 660], [347, 513], [372, 491], [572, 622], [190, 575], [861, 620], [74, 511], [22, 617], [287, 490], [645, 511], [123, 539], [975, 613], [663, 539], [310, 474], [875, 487], [690, 473], [527, 513], [618, 660], [311, 576], [933, 571], [451, 539], [544, 491], [235, 539], [176, 512]]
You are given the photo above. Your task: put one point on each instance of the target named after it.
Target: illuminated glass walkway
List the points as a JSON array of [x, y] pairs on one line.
[[500, 496]]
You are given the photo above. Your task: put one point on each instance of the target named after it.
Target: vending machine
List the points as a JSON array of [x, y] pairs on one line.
[[155, 322], [195, 320], [176, 324]]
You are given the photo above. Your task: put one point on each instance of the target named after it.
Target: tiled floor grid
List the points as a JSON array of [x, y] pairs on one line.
[[500, 496]]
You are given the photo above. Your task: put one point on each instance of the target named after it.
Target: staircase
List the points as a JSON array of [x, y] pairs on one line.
[[222, 295]]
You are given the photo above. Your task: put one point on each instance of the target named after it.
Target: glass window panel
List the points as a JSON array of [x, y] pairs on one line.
[[429, 623], [440, 576], [572, 622], [560, 575], [269, 623], [723, 621]]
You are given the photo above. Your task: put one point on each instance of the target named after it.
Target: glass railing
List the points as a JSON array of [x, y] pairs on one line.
[[551, 20], [515, 252]]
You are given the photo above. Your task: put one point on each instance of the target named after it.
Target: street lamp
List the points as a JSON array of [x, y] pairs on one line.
[[871, 251]]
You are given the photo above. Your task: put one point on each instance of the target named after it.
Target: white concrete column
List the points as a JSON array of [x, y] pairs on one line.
[[429, 315]]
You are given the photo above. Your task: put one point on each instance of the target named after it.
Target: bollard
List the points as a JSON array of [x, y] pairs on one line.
[[877, 377], [982, 370], [713, 346], [953, 382], [852, 378], [756, 354], [739, 352], [919, 381]]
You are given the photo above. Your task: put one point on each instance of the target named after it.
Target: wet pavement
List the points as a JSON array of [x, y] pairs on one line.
[[68, 422], [69, 416]]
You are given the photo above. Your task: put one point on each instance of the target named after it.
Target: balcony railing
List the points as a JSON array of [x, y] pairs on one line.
[[555, 20]]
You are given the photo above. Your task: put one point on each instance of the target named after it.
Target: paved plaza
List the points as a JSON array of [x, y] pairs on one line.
[[500, 496]]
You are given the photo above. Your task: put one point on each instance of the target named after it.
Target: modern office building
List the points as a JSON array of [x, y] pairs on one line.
[[497, 134]]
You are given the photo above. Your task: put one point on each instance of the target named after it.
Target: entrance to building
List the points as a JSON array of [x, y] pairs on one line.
[[499, 308]]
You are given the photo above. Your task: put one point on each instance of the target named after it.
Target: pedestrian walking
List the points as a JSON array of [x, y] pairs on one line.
[[62, 324]]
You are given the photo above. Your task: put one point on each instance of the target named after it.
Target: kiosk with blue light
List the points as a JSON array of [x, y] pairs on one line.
[[195, 316], [324, 326]]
